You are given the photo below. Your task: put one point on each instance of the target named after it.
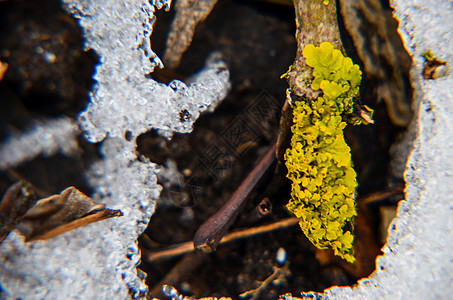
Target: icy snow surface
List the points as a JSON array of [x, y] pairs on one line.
[[99, 261], [418, 261]]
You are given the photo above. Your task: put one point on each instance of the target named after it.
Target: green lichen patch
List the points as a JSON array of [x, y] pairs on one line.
[[319, 160]]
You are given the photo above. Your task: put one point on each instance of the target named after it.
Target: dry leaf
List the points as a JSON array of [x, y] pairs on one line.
[[60, 213], [188, 14], [18, 199]]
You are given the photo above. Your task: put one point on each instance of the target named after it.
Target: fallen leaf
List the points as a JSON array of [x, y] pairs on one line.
[[18, 199], [57, 214]]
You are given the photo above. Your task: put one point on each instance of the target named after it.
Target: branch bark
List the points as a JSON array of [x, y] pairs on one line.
[[316, 23]]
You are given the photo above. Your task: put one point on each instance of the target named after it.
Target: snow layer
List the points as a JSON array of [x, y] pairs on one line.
[[135, 102], [99, 261], [418, 261]]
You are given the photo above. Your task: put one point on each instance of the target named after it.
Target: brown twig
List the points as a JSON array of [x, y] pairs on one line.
[[379, 196], [148, 242], [187, 247], [211, 231], [179, 272], [279, 274], [173, 251]]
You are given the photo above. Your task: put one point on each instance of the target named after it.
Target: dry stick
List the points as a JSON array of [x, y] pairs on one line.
[[279, 273], [211, 231], [378, 196], [180, 271], [187, 247]]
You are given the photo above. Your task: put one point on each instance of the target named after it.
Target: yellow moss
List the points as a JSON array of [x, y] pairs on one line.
[[319, 160]]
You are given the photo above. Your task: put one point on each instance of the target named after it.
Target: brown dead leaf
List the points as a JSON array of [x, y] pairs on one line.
[[18, 199], [188, 14], [57, 214]]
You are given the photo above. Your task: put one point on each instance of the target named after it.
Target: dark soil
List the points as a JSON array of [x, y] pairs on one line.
[[257, 42], [49, 75]]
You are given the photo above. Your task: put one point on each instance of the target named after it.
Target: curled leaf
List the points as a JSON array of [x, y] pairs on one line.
[[15, 203], [57, 214]]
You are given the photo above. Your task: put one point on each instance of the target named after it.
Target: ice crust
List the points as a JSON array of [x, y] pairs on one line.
[[418, 261], [134, 102], [99, 261]]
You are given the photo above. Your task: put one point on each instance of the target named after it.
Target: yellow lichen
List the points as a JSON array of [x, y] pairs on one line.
[[319, 160]]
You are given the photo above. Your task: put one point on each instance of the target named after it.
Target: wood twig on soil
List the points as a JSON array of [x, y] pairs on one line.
[[211, 231], [279, 274], [179, 272], [188, 247], [381, 195]]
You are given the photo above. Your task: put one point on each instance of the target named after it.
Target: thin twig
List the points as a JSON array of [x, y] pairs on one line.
[[171, 252], [211, 231], [379, 196], [179, 272], [187, 247], [279, 274]]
